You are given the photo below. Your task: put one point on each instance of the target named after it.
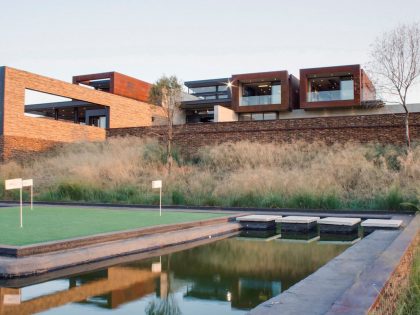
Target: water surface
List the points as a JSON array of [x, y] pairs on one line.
[[228, 276]]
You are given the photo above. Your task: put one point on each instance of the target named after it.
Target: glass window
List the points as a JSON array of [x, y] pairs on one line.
[[203, 89], [334, 88], [209, 97], [98, 121], [263, 93], [257, 116], [245, 117], [276, 93], [270, 116], [222, 96], [222, 88]]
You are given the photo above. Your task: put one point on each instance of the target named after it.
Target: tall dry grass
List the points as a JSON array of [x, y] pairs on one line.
[[308, 175]]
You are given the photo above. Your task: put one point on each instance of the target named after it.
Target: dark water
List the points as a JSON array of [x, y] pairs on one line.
[[227, 276]]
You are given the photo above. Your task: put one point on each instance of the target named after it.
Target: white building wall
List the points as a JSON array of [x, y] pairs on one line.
[[223, 114]]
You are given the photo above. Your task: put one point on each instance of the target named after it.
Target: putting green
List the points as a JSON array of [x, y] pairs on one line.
[[46, 223]]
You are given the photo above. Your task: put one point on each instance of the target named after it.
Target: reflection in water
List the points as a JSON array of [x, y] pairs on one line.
[[331, 238], [255, 234], [310, 236], [225, 277], [165, 306]]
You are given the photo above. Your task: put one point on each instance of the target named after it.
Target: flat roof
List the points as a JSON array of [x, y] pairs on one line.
[[58, 105], [207, 82]]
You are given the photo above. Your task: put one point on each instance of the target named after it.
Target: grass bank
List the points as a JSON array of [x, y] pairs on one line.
[[409, 302], [294, 175]]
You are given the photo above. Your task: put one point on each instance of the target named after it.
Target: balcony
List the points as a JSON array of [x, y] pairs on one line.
[[325, 96], [324, 89], [255, 94], [260, 100]]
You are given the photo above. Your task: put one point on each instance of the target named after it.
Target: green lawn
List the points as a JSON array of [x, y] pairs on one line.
[[57, 223]]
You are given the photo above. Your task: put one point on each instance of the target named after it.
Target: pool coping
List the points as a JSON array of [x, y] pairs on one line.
[[365, 213], [27, 266], [70, 243], [18, 282], [352, 284]]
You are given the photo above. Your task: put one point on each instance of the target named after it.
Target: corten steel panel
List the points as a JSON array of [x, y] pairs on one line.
[[368, 89], [77, 79], [355, 70], [2, 73], [279, 75], [120, 84], [130, 87]]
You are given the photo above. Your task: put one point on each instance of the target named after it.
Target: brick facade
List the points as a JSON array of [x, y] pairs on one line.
[[384, 128], [23, 147], [41, 133]]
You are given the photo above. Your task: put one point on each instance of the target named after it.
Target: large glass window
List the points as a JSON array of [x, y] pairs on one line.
[[270, 116], [98, 121], [258, 116], [263, 93], [203, 89], [334, 88], [207, 97]]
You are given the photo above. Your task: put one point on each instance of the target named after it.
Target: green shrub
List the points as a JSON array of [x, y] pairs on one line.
[[391, 201], [178, 198]]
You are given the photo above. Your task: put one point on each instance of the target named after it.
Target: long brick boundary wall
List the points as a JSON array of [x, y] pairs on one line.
[[383, 128]]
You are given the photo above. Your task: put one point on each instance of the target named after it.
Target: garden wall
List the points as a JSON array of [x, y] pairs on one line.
[[383, 128]]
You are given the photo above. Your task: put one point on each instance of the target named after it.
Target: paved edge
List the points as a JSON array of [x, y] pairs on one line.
[[366, 292], [19, 282], [46, 247], [333, 289], [356, 213], [11, 267]]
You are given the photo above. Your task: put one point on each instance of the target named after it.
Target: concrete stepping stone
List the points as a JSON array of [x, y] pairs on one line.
[[297, 223], [338, 225], [258, 221], [380, 224]]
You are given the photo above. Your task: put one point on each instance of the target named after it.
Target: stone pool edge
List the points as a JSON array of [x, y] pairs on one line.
[[363, 296], [70, 243], [14, 267], [362, 288]]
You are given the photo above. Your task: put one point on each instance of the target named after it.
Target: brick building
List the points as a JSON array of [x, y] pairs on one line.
[[112, 100], [331, 104], [270, 95]]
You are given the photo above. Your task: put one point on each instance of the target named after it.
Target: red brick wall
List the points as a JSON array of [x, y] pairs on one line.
[[23, 147], [385, 128], [124, 112]]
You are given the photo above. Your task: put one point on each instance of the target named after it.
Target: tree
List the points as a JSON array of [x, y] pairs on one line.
[[167, 92], [396, 65]]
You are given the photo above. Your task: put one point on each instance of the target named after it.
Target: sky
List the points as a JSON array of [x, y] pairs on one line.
[[193, 39]]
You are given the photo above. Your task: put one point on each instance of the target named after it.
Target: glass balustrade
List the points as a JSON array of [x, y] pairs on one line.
[[256, 100], [262, 93], [323, 96], [330, 89]]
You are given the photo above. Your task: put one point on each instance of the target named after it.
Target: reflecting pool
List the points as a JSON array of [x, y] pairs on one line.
[[228, 276]]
